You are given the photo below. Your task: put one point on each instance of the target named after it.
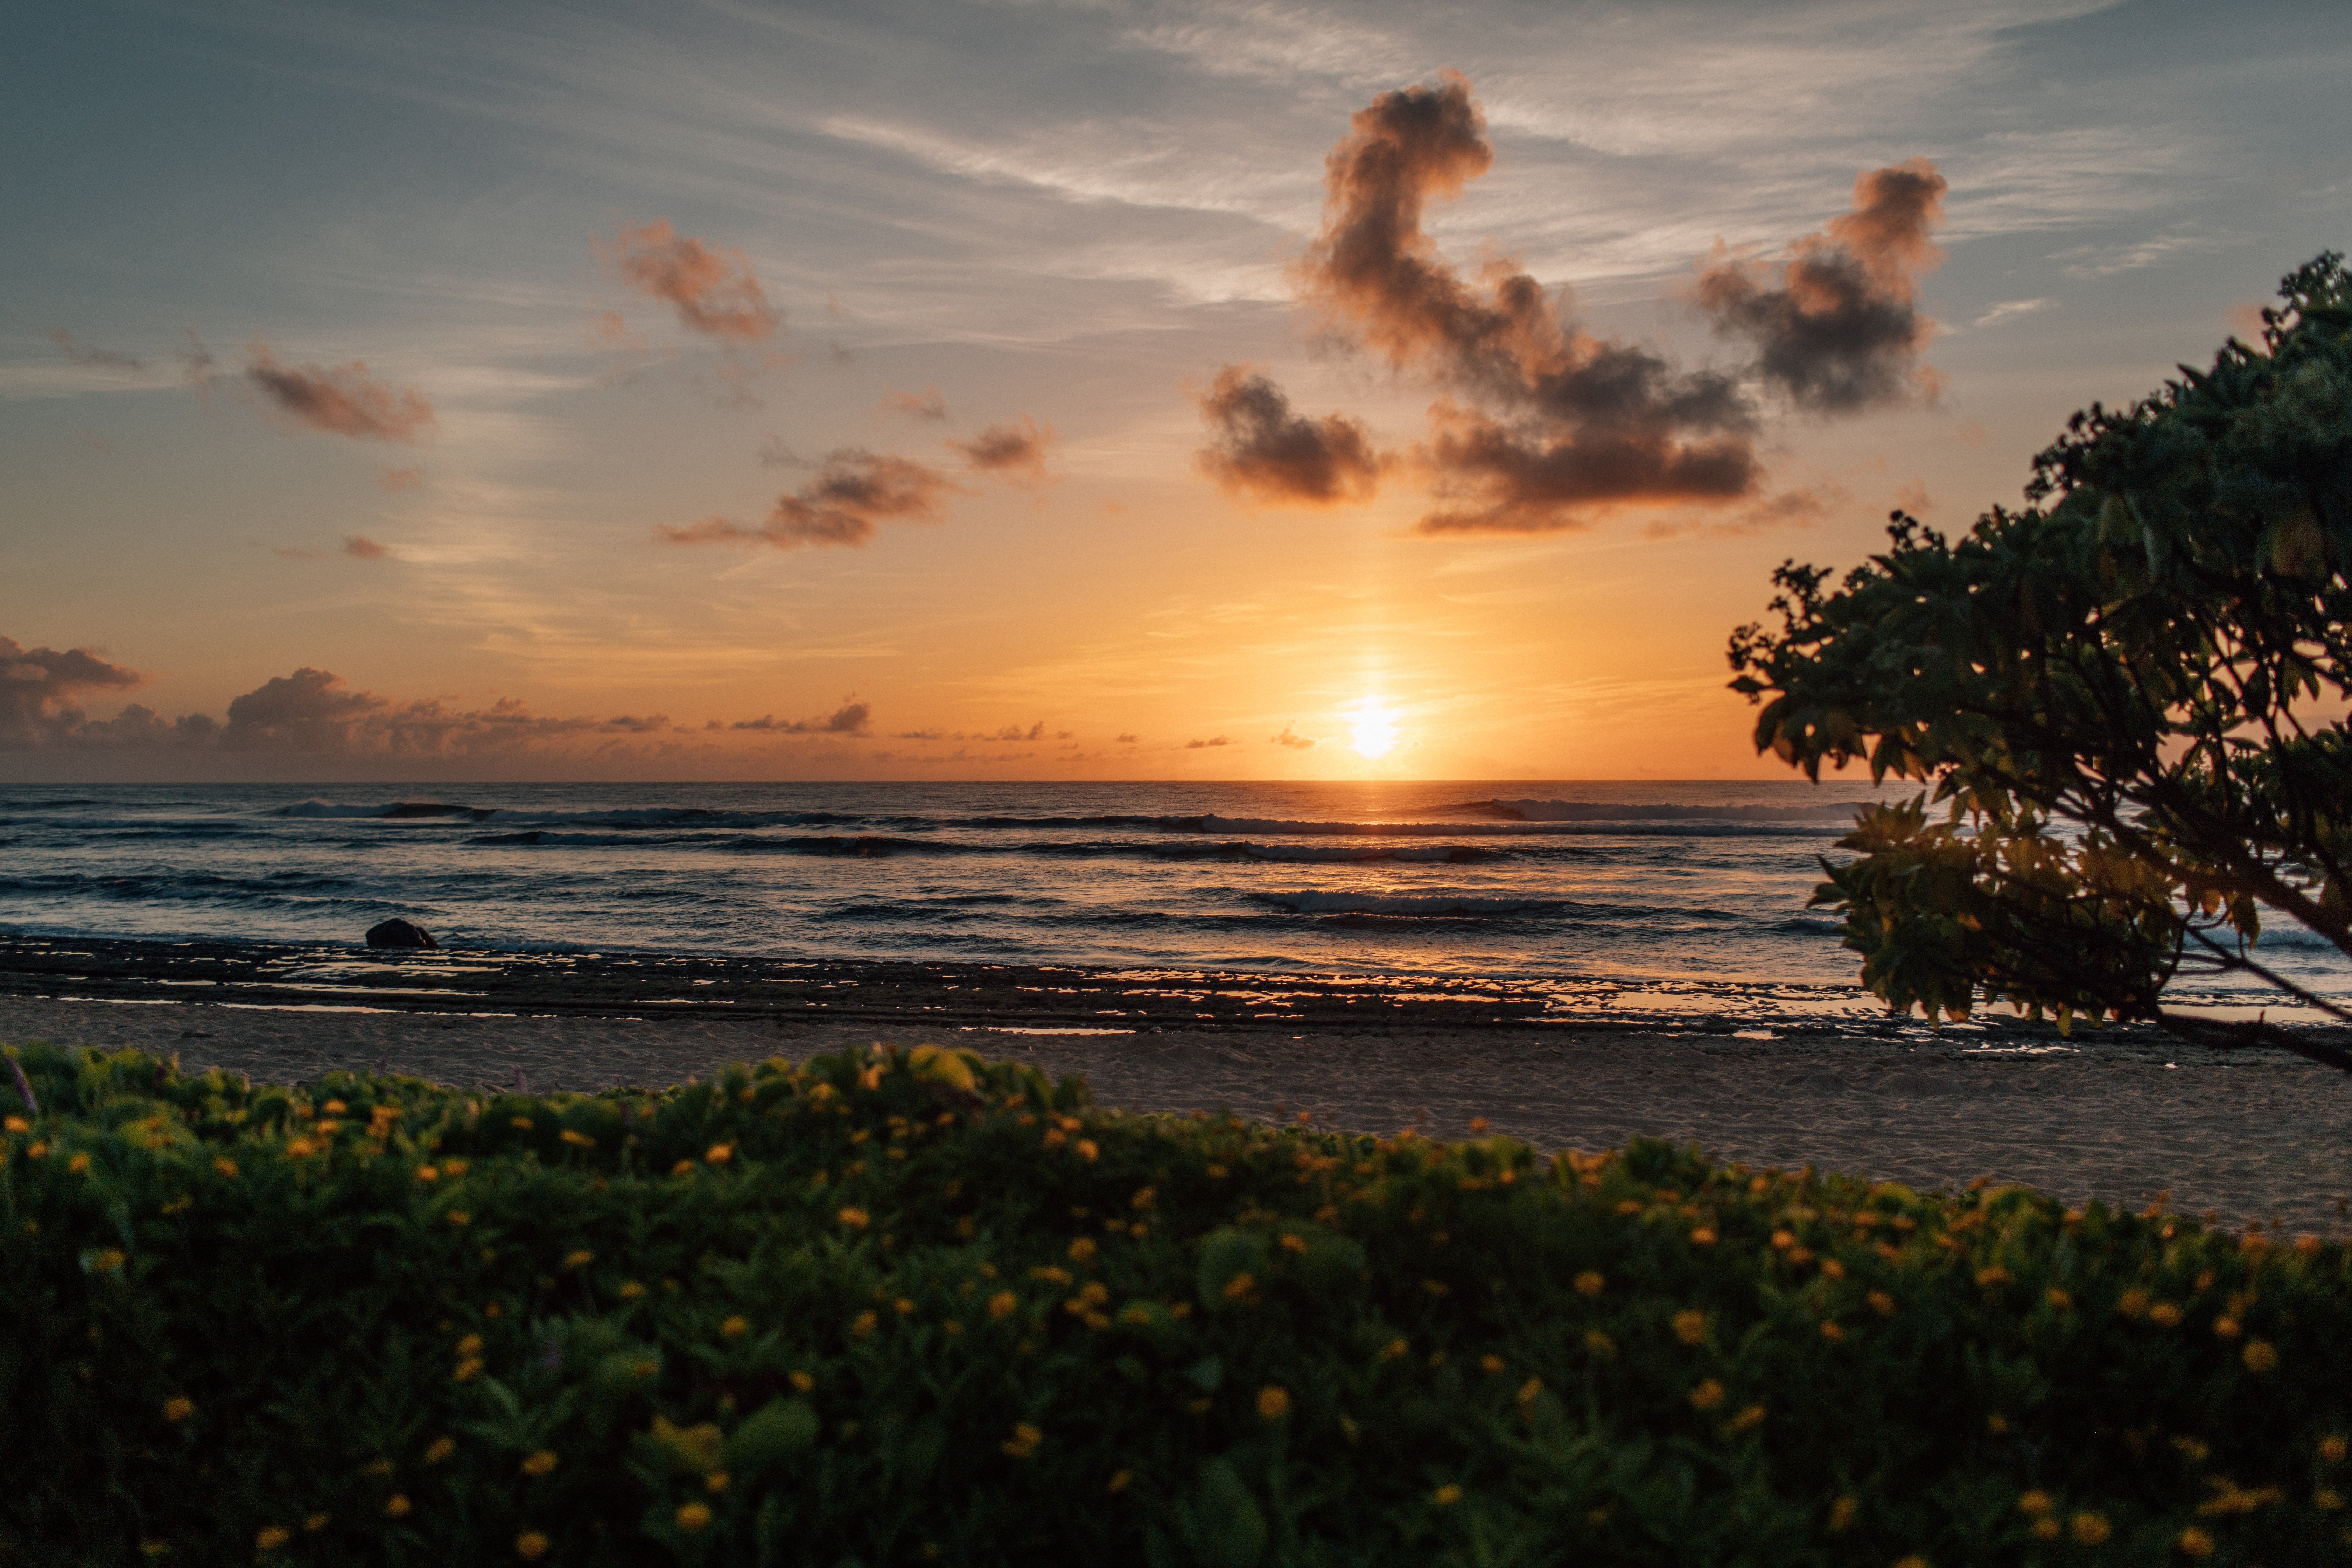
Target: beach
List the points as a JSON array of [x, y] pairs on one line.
[[2130, 1117]]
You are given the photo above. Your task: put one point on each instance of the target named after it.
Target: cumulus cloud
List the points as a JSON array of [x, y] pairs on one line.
[[365, 549], [1837, 325], [1262, 451], [90, 355], [925, 404], [342, 400], [1126, 740], [849, 719], [1293, 741], [39, 688], [1213, 741], [1547, 420], [712, 289], [854, 490], [1014, 451]]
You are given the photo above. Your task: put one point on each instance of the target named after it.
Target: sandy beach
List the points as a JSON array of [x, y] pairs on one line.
[[2249, 1135]]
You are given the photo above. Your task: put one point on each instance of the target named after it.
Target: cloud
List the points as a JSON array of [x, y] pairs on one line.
[[1213, 741], [343, 400], [1837, 325], [309, 711], [713, 289], [2009, 310], [400, 479], [1015, 452], [1126, 740], [849, 719], [1035, 731], [365, 549], [96, 358], [925, 404], [38, 686], [1547, 421], [1802, 508], [854, 490], [1294, 741], [1262, 451], [196, 361]]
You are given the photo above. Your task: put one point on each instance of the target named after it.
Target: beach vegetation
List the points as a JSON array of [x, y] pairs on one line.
[[241, 1326], [2128, 701]]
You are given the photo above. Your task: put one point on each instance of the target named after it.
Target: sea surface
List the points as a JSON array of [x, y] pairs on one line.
[[1649, 896]]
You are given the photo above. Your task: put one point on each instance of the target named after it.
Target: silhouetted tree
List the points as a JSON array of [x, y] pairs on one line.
[[2129, 700]]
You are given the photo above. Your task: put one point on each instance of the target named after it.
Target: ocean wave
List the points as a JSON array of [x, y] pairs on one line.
[[1314, 903], [1605, 811]]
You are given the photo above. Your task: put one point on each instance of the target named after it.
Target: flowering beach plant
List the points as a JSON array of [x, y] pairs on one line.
[[900, 1307]]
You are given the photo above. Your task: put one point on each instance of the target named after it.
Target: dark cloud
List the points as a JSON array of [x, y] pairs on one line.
[[712, 289], [925, 404], [1126, 740], [1294, 741], [342, 400], [1837, 325], [1035, 731], [849, 719], [1262, 451], [854, 490], [38, 687], [96, 358], [365, 549], [1805, 506], [1552, 422], [1014, 451], [1213, 741]]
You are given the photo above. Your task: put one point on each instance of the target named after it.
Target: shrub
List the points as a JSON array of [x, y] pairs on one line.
[[892, 1307]]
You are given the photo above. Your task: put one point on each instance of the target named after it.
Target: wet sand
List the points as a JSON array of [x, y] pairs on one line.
[[2252, 1135]]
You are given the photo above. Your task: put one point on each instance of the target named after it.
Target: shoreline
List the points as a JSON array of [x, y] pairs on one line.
[[2249, 1135]]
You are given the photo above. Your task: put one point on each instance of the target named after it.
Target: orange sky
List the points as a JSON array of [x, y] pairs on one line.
[[767, 397]]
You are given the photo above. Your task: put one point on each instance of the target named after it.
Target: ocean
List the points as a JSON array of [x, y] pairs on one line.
[[1652, 897]]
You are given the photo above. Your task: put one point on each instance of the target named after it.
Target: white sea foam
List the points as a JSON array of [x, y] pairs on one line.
[[1314, 902]]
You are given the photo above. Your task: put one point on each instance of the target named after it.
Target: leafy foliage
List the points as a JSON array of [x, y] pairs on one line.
[[886, 1306], [2131, 700]]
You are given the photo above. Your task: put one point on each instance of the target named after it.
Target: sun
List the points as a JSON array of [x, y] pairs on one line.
[[1372, 730]]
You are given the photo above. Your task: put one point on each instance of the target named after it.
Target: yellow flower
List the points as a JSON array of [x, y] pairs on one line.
[[2132, 1303], [577, 1139], [453, 1167], [1753, 1415], [1598, 1343], [1702, 1236], [439, 1449], [716, 1481], [1831, 1331], [681, 1168], [801, 1380], [2227, 1328], [1087, 1149], [2034, 1504], [531, 1546], [1842, 1513], [2062, 1300], [1690, 1327], [471, 1345], [2326, 1499], [2196, 1542], [466, 1370], [719, 1154], [1881, 1303], [1394, 1350], [1144, 1198], [270, 1537], [226, 1167], [459, 1218], [855, 1218], [1996, 1275], [630, 1290], [1490, 1364], [2091, 1528], [397, 1506], [1023, 1441], [1273, 1401], [1083, 1248], [1590, 1283], [179, 1407], [427, 1173], [1913, 1561], [18, 1124], [2163, 1314], [734, 1328], [578, 1258], [693, 1516], [316, 1523], [1446, 1495], [1003, 1304], [2333, 1448], [1706, 1395], [1239, 1286], [538, 1463], [79, 1163], [1528, 1391], [525, 1122], [2260, 1357], [1119, 1480]]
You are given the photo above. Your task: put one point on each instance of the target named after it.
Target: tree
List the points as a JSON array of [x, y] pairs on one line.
[[2130, 699]]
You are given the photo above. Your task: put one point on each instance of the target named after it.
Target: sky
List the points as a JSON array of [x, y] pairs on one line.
[[1058, 391]]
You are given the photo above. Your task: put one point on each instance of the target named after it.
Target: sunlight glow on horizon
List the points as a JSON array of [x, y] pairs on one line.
[[1372, 730]]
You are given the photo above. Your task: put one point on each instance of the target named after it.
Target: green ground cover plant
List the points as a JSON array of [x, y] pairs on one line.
[[895, 1307]]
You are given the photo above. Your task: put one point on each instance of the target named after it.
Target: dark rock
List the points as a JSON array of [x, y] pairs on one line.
[[400, 933]]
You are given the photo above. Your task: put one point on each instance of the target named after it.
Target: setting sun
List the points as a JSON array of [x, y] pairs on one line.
[[1372, 730]]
